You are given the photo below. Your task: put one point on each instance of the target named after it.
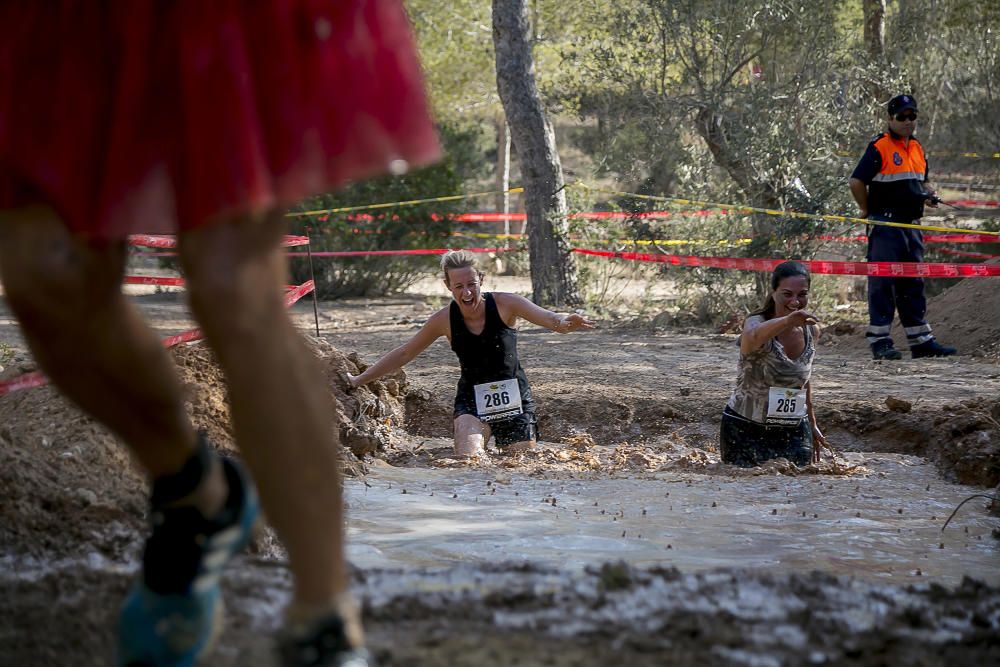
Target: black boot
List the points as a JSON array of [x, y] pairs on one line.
[[883, 349], [931, 348]]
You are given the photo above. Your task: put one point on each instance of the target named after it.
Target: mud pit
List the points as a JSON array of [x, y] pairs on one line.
[[621, 541]]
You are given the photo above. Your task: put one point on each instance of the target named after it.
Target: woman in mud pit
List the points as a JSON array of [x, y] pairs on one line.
[[493, 394], [770, 413]]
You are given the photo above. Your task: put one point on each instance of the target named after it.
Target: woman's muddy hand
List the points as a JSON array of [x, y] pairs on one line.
[[801, 318], [819, 441], [352, 381]]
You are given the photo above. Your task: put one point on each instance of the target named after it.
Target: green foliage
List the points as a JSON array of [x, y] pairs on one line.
[[456, 46], [391, 228], [6, 353], [948, 54], [762, 102]]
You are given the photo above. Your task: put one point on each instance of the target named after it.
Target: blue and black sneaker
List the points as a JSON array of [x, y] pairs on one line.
[[174, 609], [321, 644]]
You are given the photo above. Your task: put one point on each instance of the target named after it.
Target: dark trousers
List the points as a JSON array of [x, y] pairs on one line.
[[886, 296], [746, 443]]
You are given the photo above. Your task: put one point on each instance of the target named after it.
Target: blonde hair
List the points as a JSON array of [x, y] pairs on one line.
[[458, 259]]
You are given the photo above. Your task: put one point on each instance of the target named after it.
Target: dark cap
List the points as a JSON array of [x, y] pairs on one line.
[[901, 103]]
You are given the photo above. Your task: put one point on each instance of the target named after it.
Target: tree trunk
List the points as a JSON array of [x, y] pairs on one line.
[[553, 268], [712, 128], [874, 12], [874, 18]]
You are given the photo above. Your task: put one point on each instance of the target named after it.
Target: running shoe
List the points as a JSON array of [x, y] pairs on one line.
[[322, 644], [174, 608]]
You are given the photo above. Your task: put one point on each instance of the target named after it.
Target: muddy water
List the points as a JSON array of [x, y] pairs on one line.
[[882, 524]]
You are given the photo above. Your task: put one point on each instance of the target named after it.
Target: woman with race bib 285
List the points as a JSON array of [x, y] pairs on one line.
[[770, 412], [493, 396]]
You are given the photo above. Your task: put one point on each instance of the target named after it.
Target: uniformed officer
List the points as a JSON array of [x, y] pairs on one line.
[[890, 184]]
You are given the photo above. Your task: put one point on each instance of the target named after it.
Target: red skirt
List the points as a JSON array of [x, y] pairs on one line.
[[162, 116]]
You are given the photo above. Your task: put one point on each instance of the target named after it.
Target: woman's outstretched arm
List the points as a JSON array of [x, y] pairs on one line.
[[521, 307], [433, 329], [755, 335]]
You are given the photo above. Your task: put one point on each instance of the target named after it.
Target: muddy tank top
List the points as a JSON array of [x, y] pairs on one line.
[[766, 369], [487, 358]]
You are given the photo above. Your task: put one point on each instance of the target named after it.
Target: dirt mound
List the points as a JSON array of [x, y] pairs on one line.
[[65, 482], [67, 485], [963, 439], [968, 317]]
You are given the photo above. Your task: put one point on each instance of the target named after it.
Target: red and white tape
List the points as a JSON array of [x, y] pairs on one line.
[[37, 378], [296, 293], [153, 280], [967, 253], [381, 253], [161, 241], [874, 269]]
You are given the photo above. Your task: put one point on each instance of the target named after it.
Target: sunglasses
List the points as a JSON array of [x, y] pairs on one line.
[[906, 116]]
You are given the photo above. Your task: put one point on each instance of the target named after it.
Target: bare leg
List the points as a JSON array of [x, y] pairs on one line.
[[282, 412], [92, 343], [471, 436]]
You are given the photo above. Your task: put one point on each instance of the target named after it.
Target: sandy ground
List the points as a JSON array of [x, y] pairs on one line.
[[622, 540]]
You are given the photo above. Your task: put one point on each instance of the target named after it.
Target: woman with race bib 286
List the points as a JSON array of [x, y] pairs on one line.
[[770, 412], [493, 396]]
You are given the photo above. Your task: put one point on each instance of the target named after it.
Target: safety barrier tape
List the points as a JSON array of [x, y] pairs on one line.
[[960, 238], [410, 202], [704, 208], [928, 238], [37, 378], [776, 212], [585, 215], [521, 217], [152, 241], [186, 337], [725, 242], [179, 282], [609, 215], [969, 154], [982, 203], [972, 154], [26, 381], [162, 241], [153, 280], [875, 269], [297, 293], [379, 253], [967, 186], [891, 269], [967, 253], [642, 215]]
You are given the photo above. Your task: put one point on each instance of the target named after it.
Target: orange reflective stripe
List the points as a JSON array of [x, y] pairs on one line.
[[900, 161]]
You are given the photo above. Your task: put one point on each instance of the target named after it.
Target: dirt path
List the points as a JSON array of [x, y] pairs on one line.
[[622, 411]]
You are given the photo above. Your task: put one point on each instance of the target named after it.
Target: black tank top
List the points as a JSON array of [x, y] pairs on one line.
[[490, 356]]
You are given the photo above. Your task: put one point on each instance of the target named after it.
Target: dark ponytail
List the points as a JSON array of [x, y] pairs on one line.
[[781, 271]]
